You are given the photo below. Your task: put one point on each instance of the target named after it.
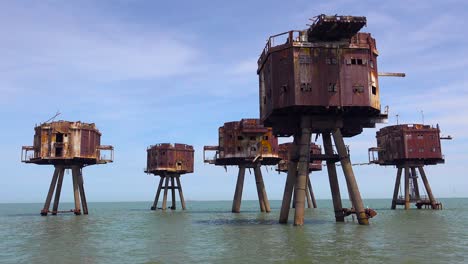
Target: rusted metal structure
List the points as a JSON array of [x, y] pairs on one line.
[[169, 161], [314, 165], [409, 147], [246, 144], [321, 80], [67, 145]]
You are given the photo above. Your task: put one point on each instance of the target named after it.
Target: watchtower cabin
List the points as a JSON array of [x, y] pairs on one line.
[[409, 147], [169, 162], [246, 144], [67, 145], [322, 80], [314, 165]]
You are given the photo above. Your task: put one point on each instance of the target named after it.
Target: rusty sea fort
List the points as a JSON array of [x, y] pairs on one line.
[[209, 233]]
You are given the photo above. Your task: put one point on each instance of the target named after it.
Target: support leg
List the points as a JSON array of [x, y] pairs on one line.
[[84, 203], [45, 210], [181, 194], [333, 178], [76, 191], [293, 197], [58, 190], [261, 189], [302, 171], [314, 202], [428, 187], [173, 207], [414, 180], [350, 179], [166, 186], [290, 182], [407, 194], [309, 199], [395, 190], [238, 192], [158, 192]]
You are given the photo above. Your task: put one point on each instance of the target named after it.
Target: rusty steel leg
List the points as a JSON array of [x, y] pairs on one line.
[[45, 210], [290, 182], [76, 191], [58, 190], [166, 186], [158, 192], [258, 182], [84, 203], [302, 172], [333, 178], [414, 180], [261, 189], [395, 190], [173, 207], [236, 203], [181, 194], [428, 187], [309, 199], [353, 188], [314, 202], [407, 189]]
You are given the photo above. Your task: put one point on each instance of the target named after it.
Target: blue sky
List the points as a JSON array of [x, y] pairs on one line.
[[148, 72]]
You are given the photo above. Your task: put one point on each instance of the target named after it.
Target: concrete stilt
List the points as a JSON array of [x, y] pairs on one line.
[[397, 186], [428, 188], [353, 189], [333, 178], [58, 190], [158, 192], [173, 207], [84, 203], [45, 210], [414, 180], [309, 199], [238, 192], [76, 191], [312, 196], [261, 188], [290, 182], [407, 188], [181, 194], [166, 187]]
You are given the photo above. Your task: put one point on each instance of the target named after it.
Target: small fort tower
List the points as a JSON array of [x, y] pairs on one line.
[[67, 145], [246, 144], [321, 80], [284, 152], [409, 147], [169, 161]]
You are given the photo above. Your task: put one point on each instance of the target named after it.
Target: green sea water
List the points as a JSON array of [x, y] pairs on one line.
[[209, 233]]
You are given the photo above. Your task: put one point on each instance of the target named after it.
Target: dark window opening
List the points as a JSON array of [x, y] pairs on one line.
[[59, 138], [252, 138], [238, 148], [230, 136], [374, 90], [332, 87], [240, 138], [359, 61], [58, 152], [265, 137], [164, 153]]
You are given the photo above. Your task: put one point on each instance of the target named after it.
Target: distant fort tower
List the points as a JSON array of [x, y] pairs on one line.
[[409, 147], [284, 152], [67, 145], [321, 80], [246, 144], [169, 161]]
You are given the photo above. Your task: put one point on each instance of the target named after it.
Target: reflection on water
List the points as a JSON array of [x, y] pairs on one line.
[[208, 232]]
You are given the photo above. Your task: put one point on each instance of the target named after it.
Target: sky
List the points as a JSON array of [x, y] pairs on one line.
[[149, 72]]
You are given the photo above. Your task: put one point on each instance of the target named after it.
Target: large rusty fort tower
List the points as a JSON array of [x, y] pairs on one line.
[[67, 145], [320, 80], [246, 144]]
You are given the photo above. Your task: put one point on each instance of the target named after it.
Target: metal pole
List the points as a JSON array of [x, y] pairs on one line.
[[314, 202], [173, 193], [238, 192], [158, 192], [290, 181], [261, 188], [414, 180], [397, 186], [58, 190], [84, 204], [309, 199], [333, 178], [45, 210], [428, 187], [350, 179], [407, 195], [302, 171], [76, 191], [166, 186], [181, 194]]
